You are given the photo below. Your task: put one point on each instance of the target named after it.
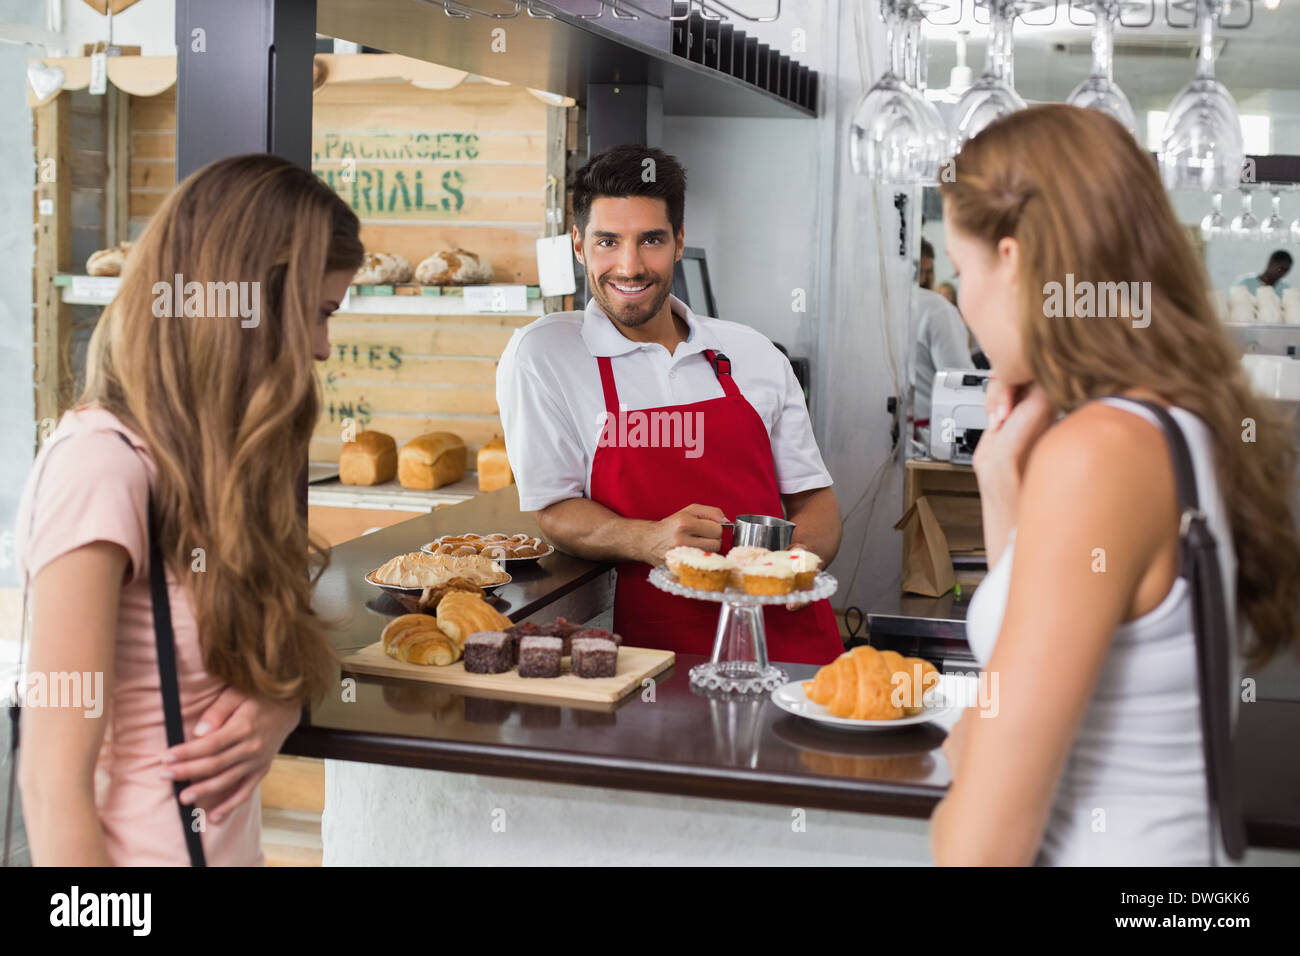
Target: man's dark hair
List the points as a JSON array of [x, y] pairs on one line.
[[619, 172], [1282, 256], [927, 250]]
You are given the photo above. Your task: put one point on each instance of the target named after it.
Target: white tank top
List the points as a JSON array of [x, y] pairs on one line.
[[1133, 791]]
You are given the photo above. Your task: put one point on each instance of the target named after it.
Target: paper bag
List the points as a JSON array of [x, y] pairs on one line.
[[927, 565]]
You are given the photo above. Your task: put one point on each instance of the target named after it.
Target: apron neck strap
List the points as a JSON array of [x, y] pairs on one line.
[[721, 368]]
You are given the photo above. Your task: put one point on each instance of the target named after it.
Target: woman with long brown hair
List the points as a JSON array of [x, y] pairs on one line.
[[1093, 754], [190, 437]]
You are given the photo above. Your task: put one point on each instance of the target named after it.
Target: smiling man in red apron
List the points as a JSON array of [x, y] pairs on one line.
[[637, 426]]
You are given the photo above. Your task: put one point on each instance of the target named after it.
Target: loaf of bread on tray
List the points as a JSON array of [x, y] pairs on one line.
[[370, 460], [493, 466], [431, 461]]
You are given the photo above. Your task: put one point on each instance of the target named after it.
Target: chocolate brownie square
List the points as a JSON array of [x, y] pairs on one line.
[[540, 656], [488, 652], [594, 657]]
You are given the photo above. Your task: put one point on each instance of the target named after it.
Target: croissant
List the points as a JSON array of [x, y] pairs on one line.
[[417, 639], [860, 684], [461, 613], [432, 596], [902, 672]]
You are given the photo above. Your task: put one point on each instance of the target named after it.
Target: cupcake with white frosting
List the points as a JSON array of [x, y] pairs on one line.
[[703, 570], [805, 565], [770, 575]]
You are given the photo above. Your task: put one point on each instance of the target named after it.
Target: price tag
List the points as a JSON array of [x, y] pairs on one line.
[[555, 265], [496, 298], [100, 288], [98, 74], [46, 206]]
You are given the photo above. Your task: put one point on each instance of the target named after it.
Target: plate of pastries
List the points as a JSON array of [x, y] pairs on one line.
[[867, 689], [413, 573], [466, 628], [748, 569], [496, 546]]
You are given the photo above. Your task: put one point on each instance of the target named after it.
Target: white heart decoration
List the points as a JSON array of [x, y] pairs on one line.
[[45, 80]]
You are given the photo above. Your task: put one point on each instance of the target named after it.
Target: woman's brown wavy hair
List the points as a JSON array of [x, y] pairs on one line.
[[227, 411], [1080, 196]]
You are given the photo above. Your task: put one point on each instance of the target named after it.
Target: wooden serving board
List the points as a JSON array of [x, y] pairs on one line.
[[634, 665]]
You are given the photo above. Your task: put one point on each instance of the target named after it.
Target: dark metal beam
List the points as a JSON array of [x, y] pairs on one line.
[[623, 113], [244, 79]]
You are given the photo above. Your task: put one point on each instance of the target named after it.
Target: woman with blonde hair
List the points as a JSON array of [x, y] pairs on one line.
[[161, 536], [1089, 299]]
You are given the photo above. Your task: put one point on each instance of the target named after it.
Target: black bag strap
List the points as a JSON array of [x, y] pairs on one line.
[[1199, 564], [165, 643]]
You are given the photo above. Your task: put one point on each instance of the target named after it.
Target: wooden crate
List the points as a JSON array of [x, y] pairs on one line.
[[427, 170]]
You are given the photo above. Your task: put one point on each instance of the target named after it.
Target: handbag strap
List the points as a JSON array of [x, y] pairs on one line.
[[1199, 565], [165, 643]]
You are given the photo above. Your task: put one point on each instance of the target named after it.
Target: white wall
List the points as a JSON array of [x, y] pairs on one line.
[[752, 204]]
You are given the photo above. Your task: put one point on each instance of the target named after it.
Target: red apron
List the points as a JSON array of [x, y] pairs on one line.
[[735, 473]]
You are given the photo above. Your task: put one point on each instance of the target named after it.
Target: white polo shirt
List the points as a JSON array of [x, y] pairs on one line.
[[552, 405]]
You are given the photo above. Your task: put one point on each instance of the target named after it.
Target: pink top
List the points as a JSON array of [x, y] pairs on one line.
[[91, 487]]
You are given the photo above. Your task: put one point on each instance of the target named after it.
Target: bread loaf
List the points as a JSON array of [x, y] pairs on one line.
[[417, 639], [431, 461], [454, 267], [493, 466], [108, 262], [373, 271], [370, 460]]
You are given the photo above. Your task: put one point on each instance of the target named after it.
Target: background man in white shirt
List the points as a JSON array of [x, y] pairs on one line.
[[940, 340], [743, 441]]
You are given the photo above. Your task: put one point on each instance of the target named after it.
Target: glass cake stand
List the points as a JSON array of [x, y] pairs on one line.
[[739, 663]]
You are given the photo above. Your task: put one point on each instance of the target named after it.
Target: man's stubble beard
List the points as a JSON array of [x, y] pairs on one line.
[[598, 292]]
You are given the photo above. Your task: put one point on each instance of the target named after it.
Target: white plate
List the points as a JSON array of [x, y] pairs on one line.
[[792, 699]]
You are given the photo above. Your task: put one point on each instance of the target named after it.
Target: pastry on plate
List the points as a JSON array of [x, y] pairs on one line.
[[421, 570], [460, 614], [867, 684], [417, 639], [910, 678]]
